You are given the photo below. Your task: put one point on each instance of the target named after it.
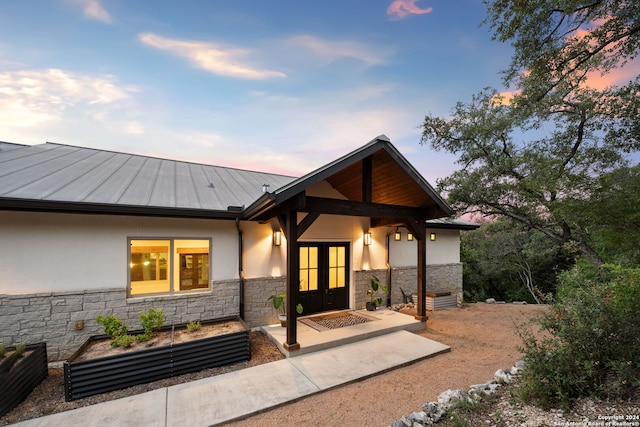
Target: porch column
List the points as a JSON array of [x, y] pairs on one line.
[[293, 280], [421, 309]]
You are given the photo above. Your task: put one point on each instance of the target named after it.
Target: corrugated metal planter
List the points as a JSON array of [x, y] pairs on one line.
[[23, 377], [88, 377]]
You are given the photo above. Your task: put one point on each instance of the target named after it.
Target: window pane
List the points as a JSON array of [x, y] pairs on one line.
[[193, 264], [148, 266]]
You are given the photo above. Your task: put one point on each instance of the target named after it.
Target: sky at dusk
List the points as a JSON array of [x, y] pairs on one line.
[[277, 86]]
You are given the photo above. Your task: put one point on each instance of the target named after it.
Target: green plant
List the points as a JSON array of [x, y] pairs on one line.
[[112, 326], [151, 320], [1, 351], [20, 349], [193, 326], [123, 341], [279, 304], [372, 292], [455, 420], [589, 344]]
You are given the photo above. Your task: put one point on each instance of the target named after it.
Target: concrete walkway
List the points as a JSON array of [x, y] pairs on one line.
[[238, 394]]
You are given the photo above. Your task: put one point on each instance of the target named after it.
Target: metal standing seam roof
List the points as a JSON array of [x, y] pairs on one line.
[[68, 177]]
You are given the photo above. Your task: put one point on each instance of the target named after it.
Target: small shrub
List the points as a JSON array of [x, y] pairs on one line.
[[151, 320], [193, 326], [123, 341], [112, 326], [20, 348], [589, 345]]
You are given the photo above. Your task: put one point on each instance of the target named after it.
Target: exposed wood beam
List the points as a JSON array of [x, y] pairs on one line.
[[421, 230], [306, 222], [347, 207], [293, 283]]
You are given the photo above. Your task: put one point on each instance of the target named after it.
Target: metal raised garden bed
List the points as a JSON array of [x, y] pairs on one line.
[[25, 374], [94, 376]]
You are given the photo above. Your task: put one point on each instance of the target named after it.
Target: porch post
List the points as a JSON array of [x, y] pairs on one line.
[[421, 309], [293, 280]]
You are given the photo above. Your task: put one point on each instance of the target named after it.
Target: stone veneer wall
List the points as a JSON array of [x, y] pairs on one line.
[[258, 310], [440, 278], [51, 317]]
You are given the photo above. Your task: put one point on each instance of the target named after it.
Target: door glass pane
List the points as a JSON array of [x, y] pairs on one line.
[[337, 267], [308, 268]]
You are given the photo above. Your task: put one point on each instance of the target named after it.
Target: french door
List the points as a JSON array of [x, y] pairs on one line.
[[324, 276]]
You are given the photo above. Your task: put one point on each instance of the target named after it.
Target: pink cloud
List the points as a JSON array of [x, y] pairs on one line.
[[401, 8]]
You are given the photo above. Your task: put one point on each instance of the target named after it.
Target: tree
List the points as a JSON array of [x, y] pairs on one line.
[[508, 261], [530, 156]]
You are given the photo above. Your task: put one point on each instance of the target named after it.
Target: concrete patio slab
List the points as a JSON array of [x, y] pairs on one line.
[[236, 394], [146, 409], [311, 340], [353, 362]]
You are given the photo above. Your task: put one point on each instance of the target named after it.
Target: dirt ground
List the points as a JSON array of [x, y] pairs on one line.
[[481, 337], [482, 340]]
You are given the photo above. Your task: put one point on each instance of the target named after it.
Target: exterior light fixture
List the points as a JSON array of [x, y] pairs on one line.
[[367, 239], [277, 237], [409, 236], [398, 236], [432, 237]]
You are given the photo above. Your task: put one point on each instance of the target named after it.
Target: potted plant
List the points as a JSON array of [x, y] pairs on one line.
[[372, 292], [279, 304]]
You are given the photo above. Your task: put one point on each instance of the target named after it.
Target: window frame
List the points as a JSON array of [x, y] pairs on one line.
[[173, 258]]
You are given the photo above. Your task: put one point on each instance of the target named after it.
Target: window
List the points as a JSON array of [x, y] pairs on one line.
[[159, 266]]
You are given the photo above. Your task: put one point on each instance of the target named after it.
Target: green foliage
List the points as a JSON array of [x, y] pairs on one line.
[[372, 292], [558, 43], [193, 326], [151, 321], [123, 341], [456, 420], [2, 350], [504, 260], [535, 155], [279, 304], [20, 349], [591, 339], [112, 326]]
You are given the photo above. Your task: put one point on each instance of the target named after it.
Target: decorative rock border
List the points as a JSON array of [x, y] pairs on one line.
[[433, 412]]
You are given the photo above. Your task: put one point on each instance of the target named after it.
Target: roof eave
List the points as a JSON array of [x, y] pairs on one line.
[[111, 209]]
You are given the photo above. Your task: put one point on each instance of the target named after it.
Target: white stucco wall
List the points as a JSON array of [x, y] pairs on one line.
[[46, 252], [444, 250]]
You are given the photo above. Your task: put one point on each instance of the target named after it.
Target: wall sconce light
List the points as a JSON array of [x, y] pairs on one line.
[[409, 236], [277, 237], [367, 239], [432, 237], [398, 236]]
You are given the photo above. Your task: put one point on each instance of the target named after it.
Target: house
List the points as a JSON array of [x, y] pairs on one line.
[[85, 232]]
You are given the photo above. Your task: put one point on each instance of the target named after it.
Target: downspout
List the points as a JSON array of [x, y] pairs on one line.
[[240, 268], [389, 268]]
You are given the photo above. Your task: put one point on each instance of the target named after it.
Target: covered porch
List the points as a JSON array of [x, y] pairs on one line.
[[314, 338], [375, 183]]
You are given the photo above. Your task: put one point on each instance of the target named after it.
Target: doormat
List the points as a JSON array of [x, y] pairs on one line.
[[325, 322]]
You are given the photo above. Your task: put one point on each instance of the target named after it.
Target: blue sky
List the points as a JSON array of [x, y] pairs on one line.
[[278, 86]]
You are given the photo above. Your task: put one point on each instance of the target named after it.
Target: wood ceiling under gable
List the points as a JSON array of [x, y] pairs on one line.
[[391, 183]]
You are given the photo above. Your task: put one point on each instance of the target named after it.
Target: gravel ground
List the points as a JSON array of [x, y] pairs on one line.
[[482, 340]]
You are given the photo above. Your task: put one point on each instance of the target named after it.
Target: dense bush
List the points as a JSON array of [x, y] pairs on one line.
[[151, 321], [116, 330], [590, 339]]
